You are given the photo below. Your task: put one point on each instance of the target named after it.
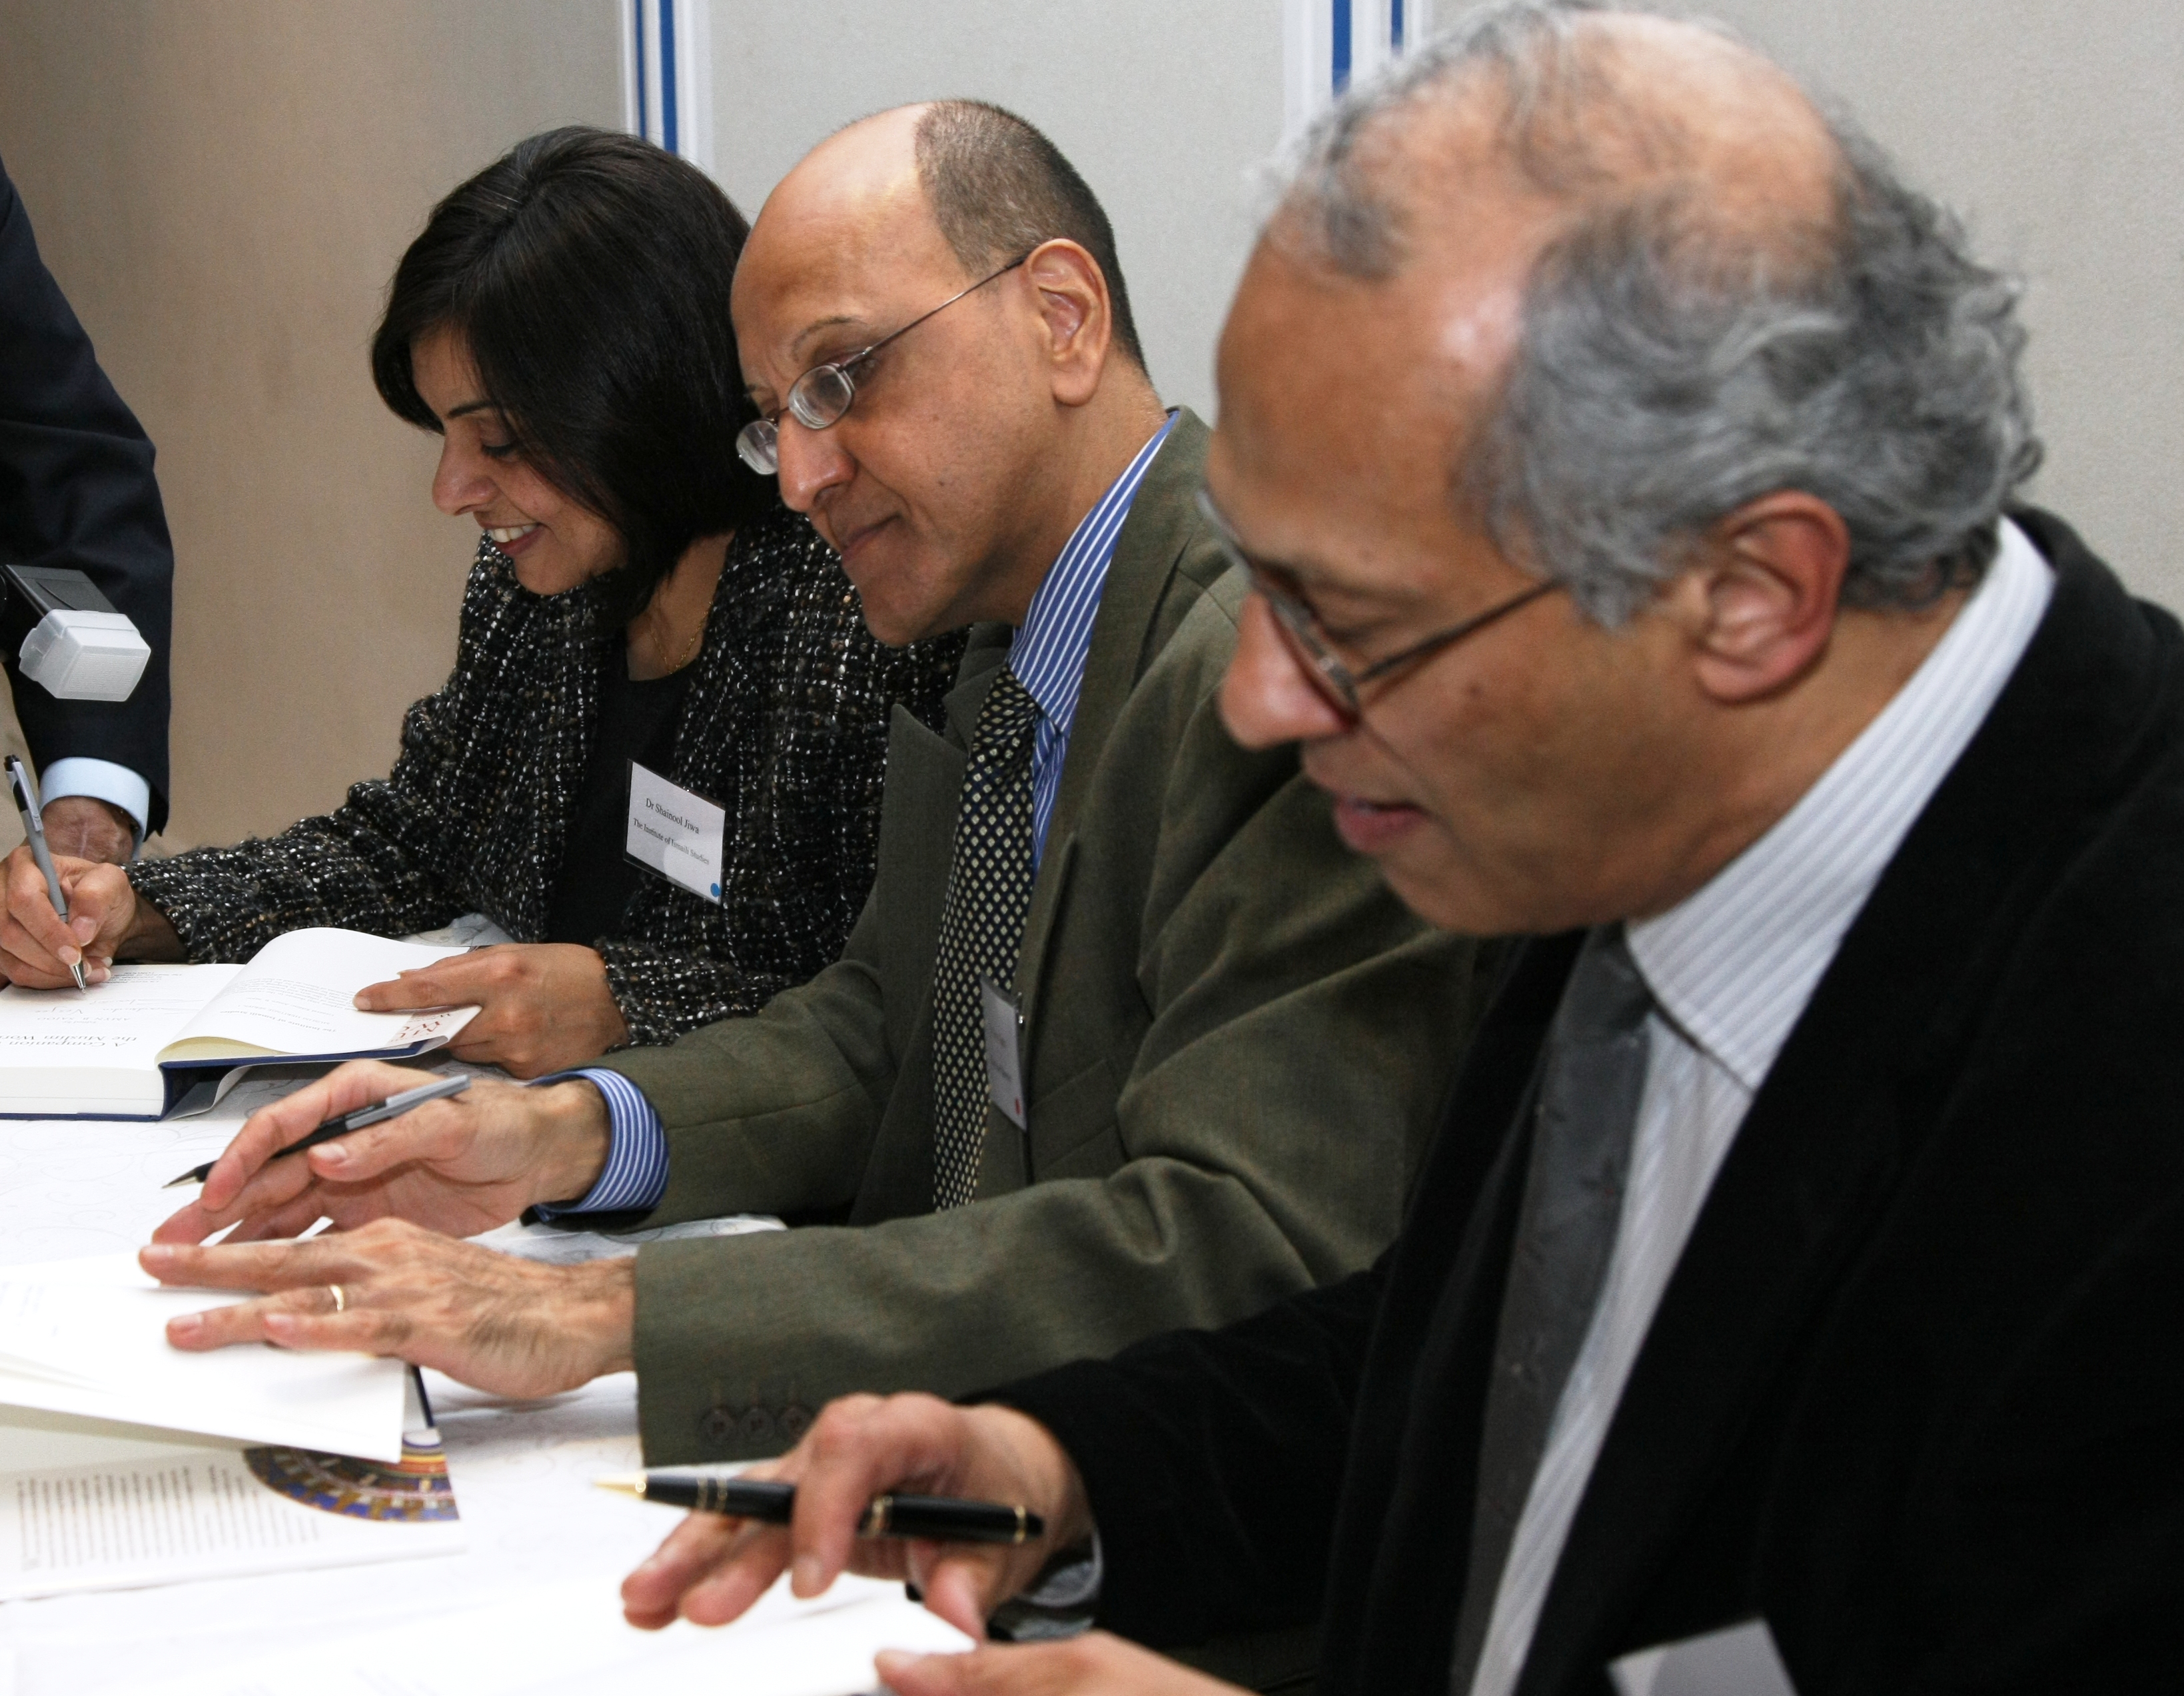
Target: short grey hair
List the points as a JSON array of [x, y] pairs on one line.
[[1668, 373]]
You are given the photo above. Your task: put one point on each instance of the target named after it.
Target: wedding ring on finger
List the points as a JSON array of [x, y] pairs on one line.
[[341, 1298]]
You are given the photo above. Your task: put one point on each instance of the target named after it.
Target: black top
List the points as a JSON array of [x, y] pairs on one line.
[[1914, 1392], [76, 491], [637, 721]]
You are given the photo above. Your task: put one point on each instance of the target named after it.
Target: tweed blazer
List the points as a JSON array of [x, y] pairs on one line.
[[784, 725], [1208, 976]]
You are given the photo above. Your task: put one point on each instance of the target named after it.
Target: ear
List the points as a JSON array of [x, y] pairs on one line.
[[1074, 318], [1759, 603]]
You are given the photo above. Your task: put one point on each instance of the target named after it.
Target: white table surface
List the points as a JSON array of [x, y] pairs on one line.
[[521, 1470]]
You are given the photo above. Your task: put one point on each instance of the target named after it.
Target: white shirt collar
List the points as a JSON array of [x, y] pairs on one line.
[[1734, 964]]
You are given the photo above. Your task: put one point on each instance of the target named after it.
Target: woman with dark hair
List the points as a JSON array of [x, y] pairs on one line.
[[643, 610]]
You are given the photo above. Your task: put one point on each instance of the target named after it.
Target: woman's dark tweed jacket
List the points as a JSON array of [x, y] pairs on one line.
[[784, 725]]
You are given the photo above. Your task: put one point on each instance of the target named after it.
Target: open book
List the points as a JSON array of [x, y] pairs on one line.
[[133, 1046]]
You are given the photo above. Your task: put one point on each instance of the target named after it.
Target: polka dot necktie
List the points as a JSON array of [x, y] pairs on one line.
[[981, 928]]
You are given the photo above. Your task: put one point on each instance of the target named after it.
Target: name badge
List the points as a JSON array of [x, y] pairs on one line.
[[1739, 1660], [1003, 1065], [675, 832]]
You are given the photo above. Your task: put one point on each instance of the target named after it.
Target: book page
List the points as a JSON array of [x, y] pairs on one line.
[[296, 997], [215, 1513], [96, 1050], [89, 1336], [122, 1022]]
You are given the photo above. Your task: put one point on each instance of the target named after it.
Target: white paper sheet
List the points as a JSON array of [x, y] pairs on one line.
[[88, 1337], [571, 1640]]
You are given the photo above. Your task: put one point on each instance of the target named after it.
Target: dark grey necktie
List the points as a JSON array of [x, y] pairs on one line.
[[1588, 1110], [981, 928]]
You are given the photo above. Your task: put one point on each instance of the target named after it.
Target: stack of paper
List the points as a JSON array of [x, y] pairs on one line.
[[89, 1336]]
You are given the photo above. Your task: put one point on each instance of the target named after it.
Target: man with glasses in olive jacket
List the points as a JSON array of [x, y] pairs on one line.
[[1091, 906]]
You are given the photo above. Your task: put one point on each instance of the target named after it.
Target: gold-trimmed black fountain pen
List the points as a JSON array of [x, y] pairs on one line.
[[932, 1519]]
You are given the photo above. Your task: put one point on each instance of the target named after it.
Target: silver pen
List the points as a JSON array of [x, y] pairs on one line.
[[34, 827], [372, 1112]]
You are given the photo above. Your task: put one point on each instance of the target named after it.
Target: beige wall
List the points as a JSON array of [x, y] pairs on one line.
[[222, 189], [2057, 129], [222, 185]]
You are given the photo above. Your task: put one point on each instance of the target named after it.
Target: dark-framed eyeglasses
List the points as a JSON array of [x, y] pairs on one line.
[[1339, 686], [824, 394]]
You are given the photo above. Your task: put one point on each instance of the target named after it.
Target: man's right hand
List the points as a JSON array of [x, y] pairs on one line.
[[459, 1165], [711, 1569], [37, 946]]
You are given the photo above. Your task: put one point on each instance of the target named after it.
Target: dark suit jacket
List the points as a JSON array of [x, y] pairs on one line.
[[76, 490], [1207, 976], [1915, 1393]]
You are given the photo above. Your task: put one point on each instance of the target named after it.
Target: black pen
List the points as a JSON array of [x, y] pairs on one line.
[[934, 1519], [355, 1119]]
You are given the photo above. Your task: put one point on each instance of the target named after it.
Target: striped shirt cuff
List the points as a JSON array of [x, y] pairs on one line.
[[635, 1176]]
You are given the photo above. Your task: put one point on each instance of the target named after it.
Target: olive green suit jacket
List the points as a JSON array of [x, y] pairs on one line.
[[1234, 1043]]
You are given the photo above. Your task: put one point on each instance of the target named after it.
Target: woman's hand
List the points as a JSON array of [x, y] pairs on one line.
[[712, 1568], [543, 1006], [105, 919]]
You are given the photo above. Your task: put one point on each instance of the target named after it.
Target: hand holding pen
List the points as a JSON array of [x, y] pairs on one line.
[[25, 789], [861, 1449], [458, 1165], [341, 1124]]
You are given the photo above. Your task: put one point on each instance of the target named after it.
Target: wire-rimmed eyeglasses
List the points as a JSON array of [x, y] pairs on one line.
[[824, 394], [1337, 684]]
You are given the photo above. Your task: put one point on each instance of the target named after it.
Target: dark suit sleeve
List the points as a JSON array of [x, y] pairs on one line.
[[1213, 1462], [2046, 1549], [76, 490]]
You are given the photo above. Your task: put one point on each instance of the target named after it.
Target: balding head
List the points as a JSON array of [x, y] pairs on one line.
[[1715, 289], [985, 426], [854, 200], [1564, 110], [1605, 300]]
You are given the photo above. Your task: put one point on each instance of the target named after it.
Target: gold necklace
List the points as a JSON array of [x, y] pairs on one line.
[[660, 641], [659, 647]]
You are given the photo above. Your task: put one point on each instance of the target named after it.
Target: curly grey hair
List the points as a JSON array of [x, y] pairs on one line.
[[1669, 368]]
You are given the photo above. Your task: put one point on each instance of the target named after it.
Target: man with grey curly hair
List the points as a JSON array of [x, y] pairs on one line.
[[1625, 463]]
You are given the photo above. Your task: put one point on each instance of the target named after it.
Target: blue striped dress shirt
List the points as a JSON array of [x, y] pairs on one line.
[[1048, 656]]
